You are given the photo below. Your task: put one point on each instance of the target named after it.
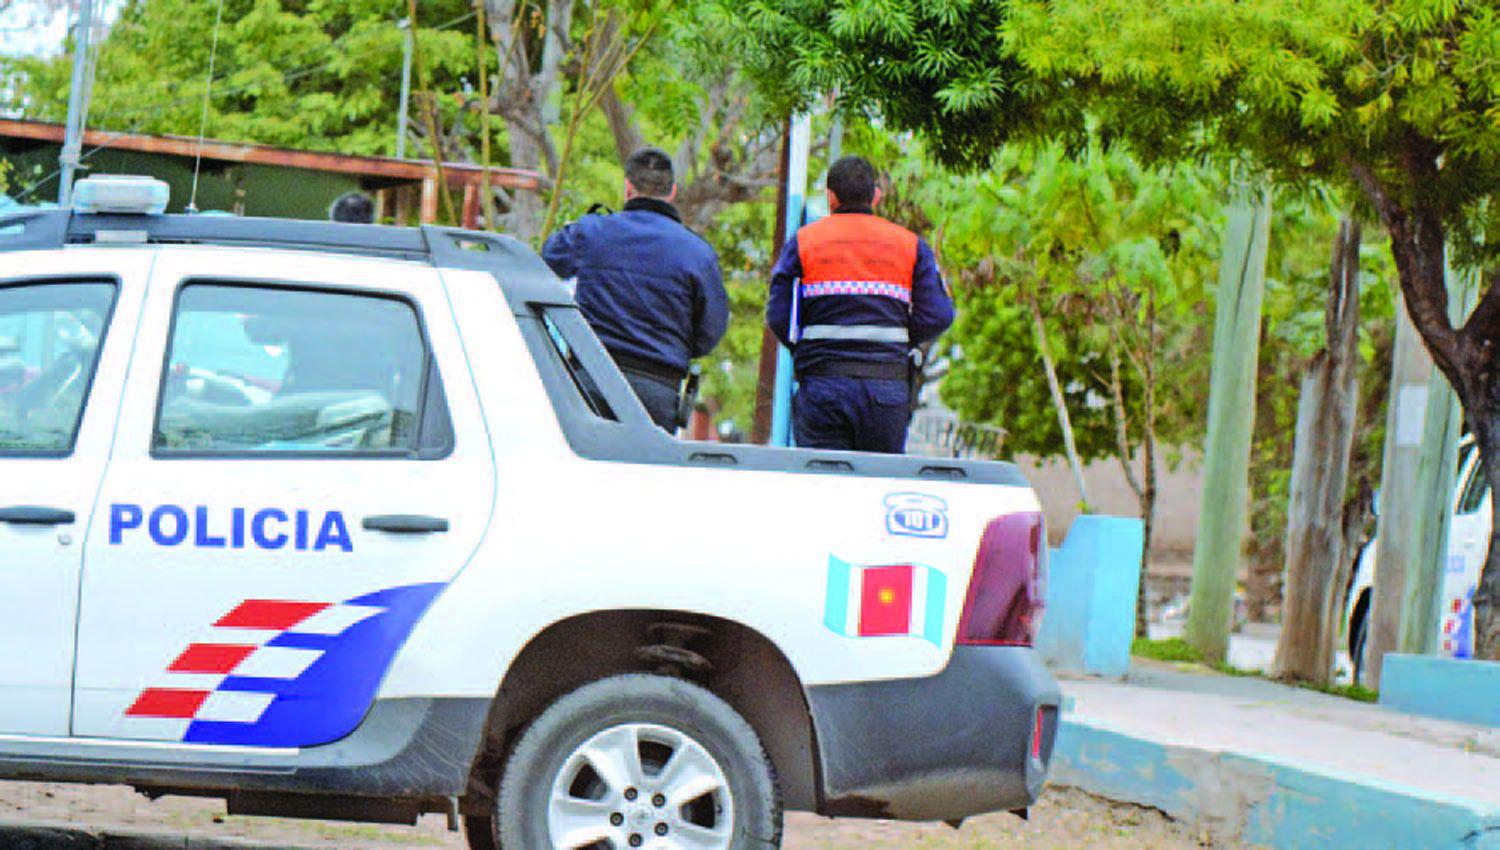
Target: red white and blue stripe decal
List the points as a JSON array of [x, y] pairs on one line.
[[285, 673]]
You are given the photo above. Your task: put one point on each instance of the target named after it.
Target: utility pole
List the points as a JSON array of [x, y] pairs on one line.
[[796, 201], [72, 149], [405, 26], [1437, 466], [1400, 504], [1231, 419]]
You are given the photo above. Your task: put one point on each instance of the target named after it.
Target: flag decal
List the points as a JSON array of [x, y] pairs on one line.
[[885, 600]]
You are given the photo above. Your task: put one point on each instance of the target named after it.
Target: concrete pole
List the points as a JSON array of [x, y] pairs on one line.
[[1231, 417], [1400, 505], [72, 148], [796, 200], [405, 26], [1437, 466]]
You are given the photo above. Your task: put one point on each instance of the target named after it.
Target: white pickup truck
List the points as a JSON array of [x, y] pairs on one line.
[[361, 522]]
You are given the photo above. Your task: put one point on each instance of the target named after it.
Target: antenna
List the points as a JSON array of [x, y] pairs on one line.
[[208, 88], [73, 140]]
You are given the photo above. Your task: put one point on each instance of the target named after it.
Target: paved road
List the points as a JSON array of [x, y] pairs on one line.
[[114, 818]]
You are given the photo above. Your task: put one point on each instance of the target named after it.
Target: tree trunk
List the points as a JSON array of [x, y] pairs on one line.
[[1059, 403], [1148, 443], [527, 98], [1487, 595], [1467, 355], [1320, 467], [1231, 415]]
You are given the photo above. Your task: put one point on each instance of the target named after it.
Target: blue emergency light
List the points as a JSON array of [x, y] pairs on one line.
[[120, 193]]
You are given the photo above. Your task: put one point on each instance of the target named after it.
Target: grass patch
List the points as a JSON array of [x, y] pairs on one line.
[[1354, 692], [1178, 651], [1168, 649]]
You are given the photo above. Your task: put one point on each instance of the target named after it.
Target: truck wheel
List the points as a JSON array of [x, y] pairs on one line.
[[639, 761]]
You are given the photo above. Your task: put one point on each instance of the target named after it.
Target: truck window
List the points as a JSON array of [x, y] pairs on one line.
[[49, 344], [583, 381], [255, 369]]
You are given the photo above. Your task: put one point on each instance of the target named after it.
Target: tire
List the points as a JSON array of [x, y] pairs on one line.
[[688, 744]]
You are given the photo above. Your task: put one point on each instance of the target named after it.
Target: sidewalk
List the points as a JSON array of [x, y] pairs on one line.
[[1266, 764]]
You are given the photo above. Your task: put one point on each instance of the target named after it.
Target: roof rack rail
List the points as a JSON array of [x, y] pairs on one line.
[[521, 273]]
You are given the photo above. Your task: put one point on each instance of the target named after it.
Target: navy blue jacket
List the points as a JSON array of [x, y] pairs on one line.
[[928, 314], [651, 288]]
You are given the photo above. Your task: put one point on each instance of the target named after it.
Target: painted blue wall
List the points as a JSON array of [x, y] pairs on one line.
[[1454, 689], [1091, 591]]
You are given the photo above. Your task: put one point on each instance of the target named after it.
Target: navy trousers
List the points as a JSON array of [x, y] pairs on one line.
[[659, 397], [857, 414]]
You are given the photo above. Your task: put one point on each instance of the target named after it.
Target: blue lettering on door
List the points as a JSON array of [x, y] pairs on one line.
[[203, 527]]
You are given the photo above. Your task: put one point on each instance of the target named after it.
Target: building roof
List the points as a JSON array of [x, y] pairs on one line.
[[390, 168]]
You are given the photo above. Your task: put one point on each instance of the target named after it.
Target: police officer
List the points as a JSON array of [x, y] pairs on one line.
[[851, 295], [651, 288]]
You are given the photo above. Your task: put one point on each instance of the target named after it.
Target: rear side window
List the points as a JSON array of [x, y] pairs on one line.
[[265, 370], [50, 335]]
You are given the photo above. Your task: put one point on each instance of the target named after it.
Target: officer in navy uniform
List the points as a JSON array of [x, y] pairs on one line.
[[851, 295], [651, 288]]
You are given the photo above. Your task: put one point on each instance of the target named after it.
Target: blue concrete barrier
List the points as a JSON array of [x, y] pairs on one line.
[[1262, 801], [1091, 591], [1453, 689]]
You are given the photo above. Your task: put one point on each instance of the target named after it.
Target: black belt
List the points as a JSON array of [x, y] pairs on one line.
[[648, 368], [870, 370]]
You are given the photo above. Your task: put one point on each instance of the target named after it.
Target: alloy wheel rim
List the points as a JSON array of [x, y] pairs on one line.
[[640, 785]]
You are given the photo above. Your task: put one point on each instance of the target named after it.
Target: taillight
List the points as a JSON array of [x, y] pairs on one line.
[[1036, 735], [1007, 592]]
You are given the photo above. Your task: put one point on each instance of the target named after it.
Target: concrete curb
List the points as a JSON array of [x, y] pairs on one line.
[[48, 836], [1266, 801]]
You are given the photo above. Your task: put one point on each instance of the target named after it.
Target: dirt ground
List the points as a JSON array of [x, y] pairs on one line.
[[1064, 818]]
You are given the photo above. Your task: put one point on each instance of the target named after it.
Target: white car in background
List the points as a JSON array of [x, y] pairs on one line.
[[1468, 544]]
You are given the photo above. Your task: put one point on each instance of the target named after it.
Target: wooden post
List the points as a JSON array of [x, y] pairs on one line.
[[770, 347], [403, 205], [1231, 417], [382, 203], [429, 200], [471, 206]]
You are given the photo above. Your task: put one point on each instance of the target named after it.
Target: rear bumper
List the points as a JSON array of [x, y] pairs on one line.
[[939, 748]]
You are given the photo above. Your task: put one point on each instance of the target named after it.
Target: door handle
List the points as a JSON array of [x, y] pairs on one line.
[[36, 515], [405, 524]]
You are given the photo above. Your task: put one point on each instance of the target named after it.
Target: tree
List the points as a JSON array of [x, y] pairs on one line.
[[1095, 267], [1392, 100], [1316, 564]]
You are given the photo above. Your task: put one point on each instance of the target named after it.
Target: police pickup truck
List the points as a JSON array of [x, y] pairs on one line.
[[361, 522]]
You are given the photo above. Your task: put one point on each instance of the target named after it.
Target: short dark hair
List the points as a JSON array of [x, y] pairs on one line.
[[649, 170], [852, 180], [352, 207]]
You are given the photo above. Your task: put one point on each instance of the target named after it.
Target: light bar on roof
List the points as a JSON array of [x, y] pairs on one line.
[[120, 193]]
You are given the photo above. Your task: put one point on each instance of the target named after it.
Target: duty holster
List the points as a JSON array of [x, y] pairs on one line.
[[916, 365], [687, 396]]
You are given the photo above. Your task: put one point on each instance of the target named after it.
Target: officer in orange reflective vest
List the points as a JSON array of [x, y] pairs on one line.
[[851, 295]]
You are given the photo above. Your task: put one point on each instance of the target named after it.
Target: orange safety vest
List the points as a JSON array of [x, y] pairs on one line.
[[857, 254]]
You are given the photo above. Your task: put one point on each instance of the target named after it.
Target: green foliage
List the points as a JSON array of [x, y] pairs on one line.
[[730, 374], [314, 74], [1302, 89], [1091, 237]]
